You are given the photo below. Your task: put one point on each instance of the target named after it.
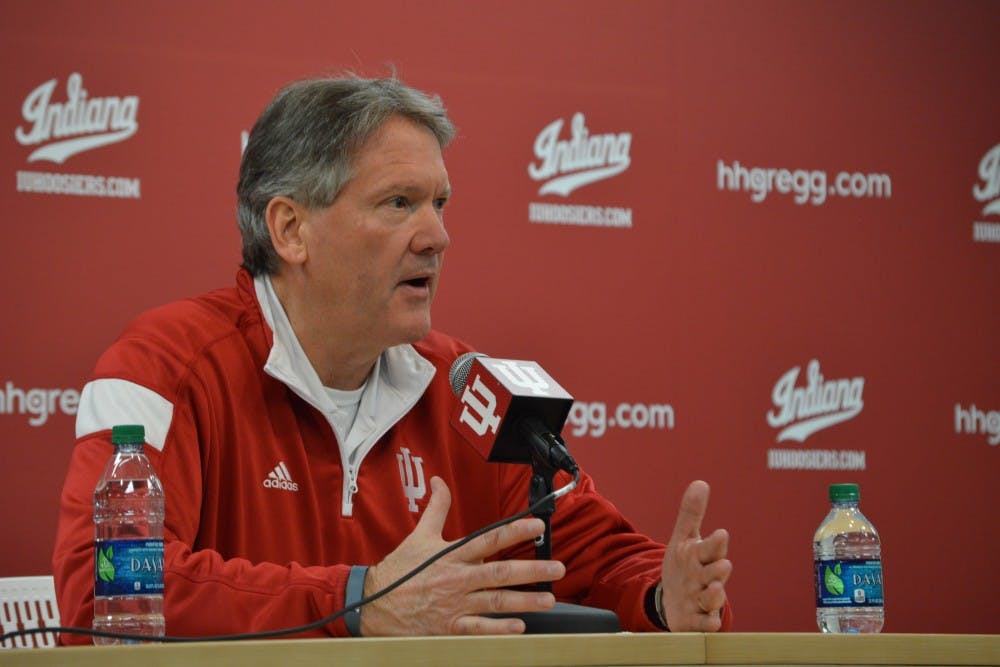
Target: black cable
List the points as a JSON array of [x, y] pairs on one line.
[[315, 624]]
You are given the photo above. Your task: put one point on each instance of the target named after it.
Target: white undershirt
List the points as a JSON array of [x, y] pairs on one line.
[[345, 412]]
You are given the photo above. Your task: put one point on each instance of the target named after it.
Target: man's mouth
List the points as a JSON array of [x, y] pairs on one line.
[[418, 282]]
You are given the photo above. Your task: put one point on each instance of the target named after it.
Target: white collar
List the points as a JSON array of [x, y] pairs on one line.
[[397, 381]]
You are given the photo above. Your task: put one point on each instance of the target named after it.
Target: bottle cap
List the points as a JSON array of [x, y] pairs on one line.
[[128, 433], [844, 492]]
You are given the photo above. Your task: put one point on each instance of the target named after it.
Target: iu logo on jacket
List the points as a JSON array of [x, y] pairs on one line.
[[411, 474]]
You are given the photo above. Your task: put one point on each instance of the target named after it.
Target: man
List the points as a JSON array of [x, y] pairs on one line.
[[294, 419]]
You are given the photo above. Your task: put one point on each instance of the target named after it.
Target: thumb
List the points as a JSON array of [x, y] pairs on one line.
[[432, 520], [694, 503]]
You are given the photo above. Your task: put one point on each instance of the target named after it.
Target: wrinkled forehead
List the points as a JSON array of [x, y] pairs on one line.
[[399, 140]]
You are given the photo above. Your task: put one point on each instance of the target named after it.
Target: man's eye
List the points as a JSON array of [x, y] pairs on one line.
[[399, 202], [440, 202]]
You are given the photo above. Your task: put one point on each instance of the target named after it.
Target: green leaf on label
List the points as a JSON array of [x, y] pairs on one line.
[[836, 569], [105, 568], [833, 583]]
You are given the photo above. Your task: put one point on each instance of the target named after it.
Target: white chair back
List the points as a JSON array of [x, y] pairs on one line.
[[25, 603]]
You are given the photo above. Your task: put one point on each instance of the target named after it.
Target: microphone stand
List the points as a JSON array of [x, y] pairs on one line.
[[541, 486], [563, 617]]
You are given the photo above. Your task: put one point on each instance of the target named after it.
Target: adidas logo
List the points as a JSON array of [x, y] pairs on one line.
[[280, 478]]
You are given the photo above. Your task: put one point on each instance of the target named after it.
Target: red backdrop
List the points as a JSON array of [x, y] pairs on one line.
[[785, 183]]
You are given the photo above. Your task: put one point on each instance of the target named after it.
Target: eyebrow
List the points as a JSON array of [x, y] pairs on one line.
[[409, 188]]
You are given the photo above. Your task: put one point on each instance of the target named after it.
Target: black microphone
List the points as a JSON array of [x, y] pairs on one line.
[[511, 411]]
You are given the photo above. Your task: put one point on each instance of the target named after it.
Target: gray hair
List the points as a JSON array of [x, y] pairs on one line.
[[304, 144]]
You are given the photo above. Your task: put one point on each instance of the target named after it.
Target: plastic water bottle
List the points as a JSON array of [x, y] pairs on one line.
[[128, 542], [847, 554]]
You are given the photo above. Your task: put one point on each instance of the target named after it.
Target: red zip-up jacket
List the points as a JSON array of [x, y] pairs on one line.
[[244, 555]]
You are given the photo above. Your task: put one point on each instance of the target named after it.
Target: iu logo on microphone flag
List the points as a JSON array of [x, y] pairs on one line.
[[496, 395]]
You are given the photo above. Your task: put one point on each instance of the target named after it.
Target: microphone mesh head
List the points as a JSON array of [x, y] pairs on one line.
[[459, 372]]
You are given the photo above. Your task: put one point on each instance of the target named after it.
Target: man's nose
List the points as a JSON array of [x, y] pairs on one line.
[[431, 237]]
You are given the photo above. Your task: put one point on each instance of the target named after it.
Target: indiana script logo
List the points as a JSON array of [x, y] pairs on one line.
[[820, 404], [565, 165], [988, 191], [81, 123]]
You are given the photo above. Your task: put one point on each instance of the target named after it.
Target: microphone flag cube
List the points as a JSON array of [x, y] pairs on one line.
[[496, 396]]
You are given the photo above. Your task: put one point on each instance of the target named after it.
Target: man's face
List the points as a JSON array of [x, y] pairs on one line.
[[375, 254]]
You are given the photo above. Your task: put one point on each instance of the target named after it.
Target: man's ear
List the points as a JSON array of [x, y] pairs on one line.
[[284, 220]]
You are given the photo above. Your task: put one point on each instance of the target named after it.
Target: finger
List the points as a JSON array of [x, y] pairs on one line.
[[484, 546], [480, 625], [694, 502], [500, 601], [712, 598], [704, 623], [508, 573], [694, 618], [432, 520], [714, 547], [718, 571]]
